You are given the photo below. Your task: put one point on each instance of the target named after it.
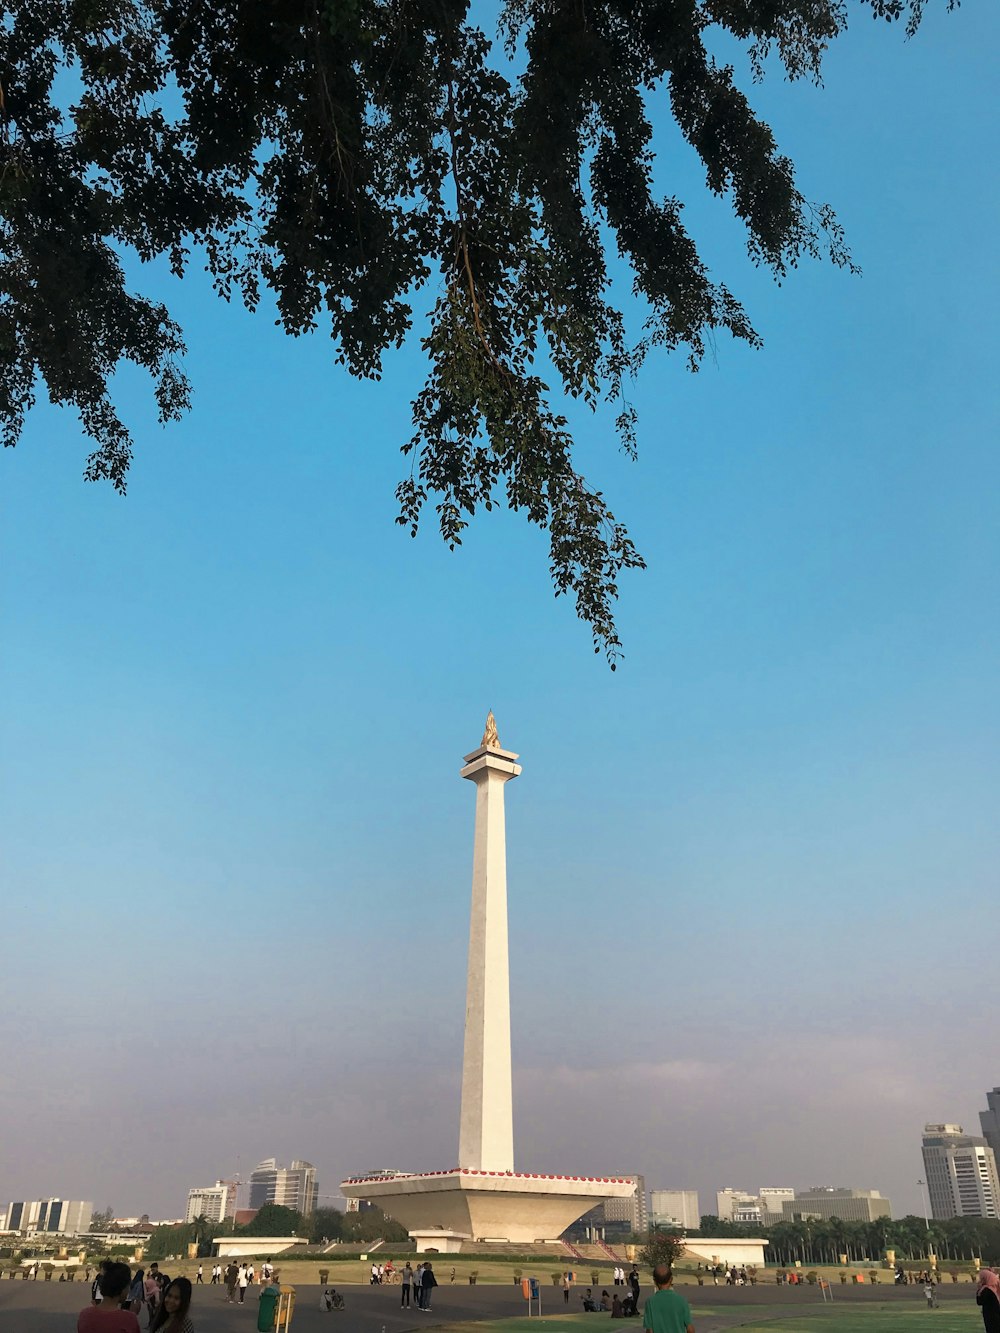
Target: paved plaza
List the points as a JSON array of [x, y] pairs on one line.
[[42, 1307]]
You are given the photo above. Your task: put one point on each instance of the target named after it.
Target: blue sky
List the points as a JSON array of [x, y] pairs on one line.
[[753, 874]]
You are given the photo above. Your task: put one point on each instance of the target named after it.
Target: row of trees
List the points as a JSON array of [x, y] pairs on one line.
[[322, 1226], [824, 1240]]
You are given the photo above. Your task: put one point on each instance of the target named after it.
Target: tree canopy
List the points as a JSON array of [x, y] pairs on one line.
[[274, 1219], [663, 1246], [383, 164]]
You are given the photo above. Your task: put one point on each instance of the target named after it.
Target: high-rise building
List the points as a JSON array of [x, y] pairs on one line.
[[772, 1199], [65, 1217], [825, 1201], [752, 1209], [675, 1208], [214, 1202], [292, 1187], [961, 1172], [990, 1121], [729, 1202], [631, 1211]]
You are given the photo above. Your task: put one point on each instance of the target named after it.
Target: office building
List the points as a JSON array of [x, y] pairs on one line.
[[823, 1201], [215, 1202], [615, 1218], [772, 1198], [291, 1187], [961, 1173], [63, 1217], [630, 1214], [730, 1203], [677, 1208], [758, 1209], [990, 1121]]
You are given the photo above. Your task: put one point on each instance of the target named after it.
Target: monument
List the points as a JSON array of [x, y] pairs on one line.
[[483, 1198]]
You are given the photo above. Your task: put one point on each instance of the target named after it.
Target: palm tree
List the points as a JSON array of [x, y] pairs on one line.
[[201, 1232]]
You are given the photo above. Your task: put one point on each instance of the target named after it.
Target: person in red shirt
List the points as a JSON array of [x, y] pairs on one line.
[[109, 1317]]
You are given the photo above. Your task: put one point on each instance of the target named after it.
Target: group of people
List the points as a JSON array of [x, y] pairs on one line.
[[620, 1279], [117, 1298], [238, 1277], [611, 1303], [420, 1281]]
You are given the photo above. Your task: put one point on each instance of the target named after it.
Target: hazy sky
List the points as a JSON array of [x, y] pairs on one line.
[[753, 875]]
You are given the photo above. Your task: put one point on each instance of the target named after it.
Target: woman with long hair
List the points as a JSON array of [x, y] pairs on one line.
[[172, 1315]]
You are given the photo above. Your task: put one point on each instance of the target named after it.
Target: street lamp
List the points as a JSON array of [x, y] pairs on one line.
[[927, 1206], [927, 1221]]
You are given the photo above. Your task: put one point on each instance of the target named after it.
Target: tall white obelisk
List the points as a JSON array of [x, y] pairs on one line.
[[486, 1135]]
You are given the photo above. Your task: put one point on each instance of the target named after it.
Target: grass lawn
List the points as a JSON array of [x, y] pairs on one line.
[[850, 1319], [853, 1319]]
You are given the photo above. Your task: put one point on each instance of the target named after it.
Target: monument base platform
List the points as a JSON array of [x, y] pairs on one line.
[[509, 1207]]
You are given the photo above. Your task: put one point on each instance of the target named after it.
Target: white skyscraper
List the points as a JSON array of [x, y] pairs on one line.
[[961, 1172], [214, 1202]]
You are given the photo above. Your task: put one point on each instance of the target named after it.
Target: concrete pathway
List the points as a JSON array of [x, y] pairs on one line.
[[51, 1307]]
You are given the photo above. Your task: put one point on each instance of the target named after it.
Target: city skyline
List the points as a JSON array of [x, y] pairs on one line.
[[233, 701]]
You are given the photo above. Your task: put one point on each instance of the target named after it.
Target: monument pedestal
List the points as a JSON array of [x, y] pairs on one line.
[[503, 1206]]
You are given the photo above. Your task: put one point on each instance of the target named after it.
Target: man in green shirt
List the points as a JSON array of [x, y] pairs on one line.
[[666, 1310]]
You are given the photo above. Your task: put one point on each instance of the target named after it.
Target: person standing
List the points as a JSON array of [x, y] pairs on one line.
[[243, 1281], [427, 1284], [109, 1317], [152, 1290], [633, 1281], [565, 1288], [988, 1299], [418, 1286], [136, 1297], [232, 1277], [666, 1310], [95, 1286], [404, 1293]]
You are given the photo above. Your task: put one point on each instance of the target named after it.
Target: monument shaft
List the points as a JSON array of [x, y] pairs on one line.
[[486, 1134]]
